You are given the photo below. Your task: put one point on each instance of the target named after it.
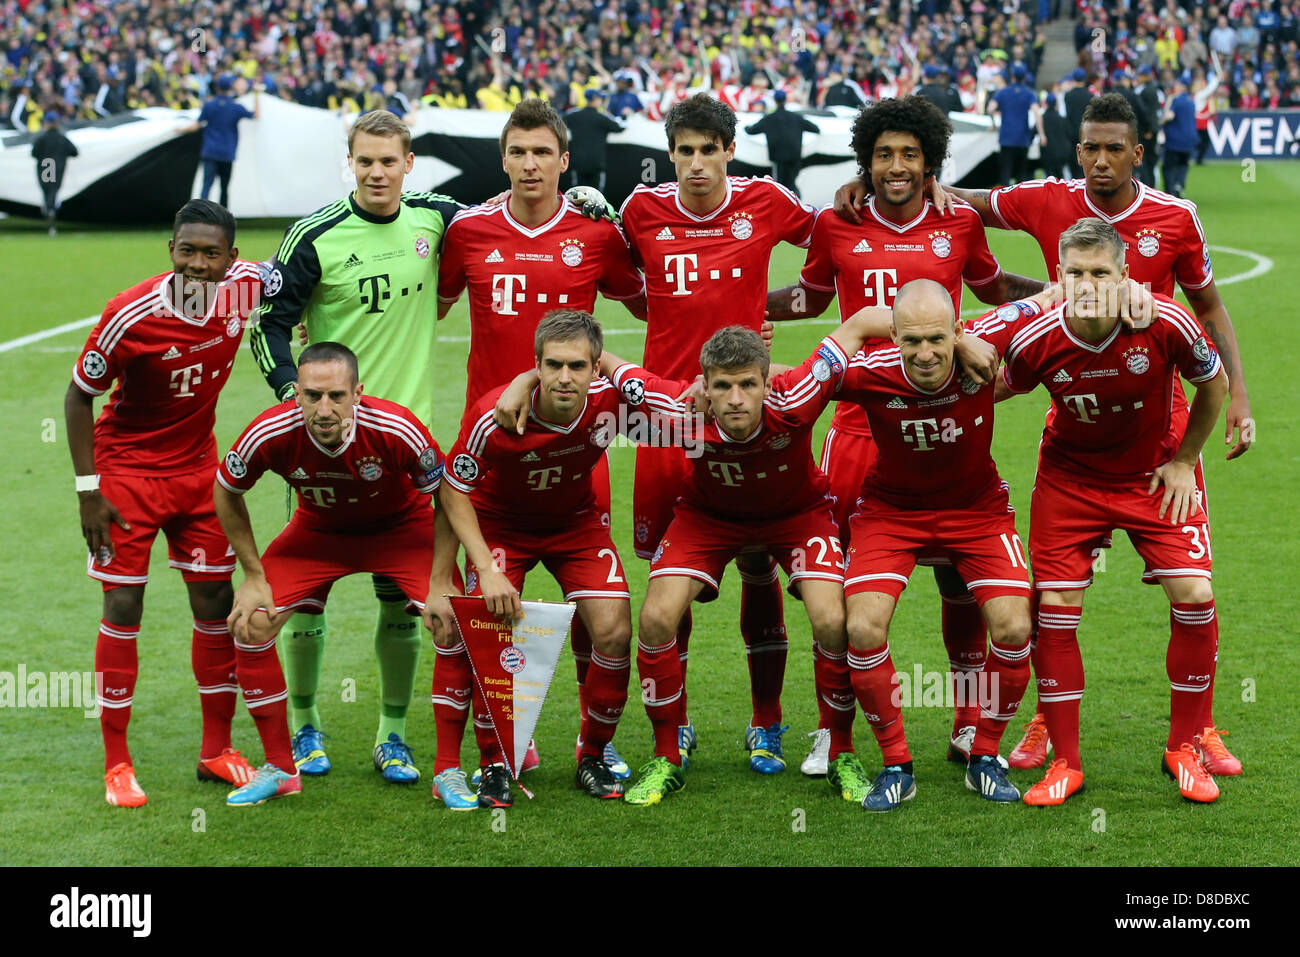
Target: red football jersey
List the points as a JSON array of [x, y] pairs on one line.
[[169, 370], [932, 447], [540, 479], [376, 479], [706, 272], [866, 264], [1110, 419], [1163, 239], [770, 474], [517, 275]]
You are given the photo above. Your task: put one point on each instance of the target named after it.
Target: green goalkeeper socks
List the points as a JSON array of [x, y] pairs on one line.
[[304, 647], [397, 646]]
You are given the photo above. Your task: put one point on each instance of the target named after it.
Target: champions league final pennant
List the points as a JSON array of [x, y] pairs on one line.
[[513, 666]]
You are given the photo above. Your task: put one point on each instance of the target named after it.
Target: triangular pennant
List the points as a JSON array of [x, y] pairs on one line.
[[513, 666]]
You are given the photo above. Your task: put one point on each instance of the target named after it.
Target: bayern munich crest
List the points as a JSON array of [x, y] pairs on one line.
[[742, 225], [941, 244], [571, 252], [1148, 242], [969, 385], [1136, 360], [779, 442], [421, 247], [233, 326], [642, 532], [370, 470], [513, 660], [600, 436]]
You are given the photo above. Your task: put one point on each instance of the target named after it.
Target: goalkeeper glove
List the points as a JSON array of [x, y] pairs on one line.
[[592, 203]]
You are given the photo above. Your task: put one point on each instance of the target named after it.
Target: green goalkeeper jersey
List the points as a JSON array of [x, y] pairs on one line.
[[369, 282]]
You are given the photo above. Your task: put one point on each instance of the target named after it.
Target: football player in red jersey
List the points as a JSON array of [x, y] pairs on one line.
[[704, 243], [362, 469], [146, 466], [900, 145], [1106, 452], [515, 499], [1165, 246], [519, 260]]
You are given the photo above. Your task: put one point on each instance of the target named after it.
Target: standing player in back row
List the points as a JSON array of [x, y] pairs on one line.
[[900, 145], [1165, 245], [363, 272], [521, 259], [704, 243], [146, 466]]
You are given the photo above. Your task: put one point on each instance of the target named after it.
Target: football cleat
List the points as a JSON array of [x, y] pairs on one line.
[[1214, 754], [815, 765], [986, 777], [659, 778], [309, 751], [686, 743], [393, 761], [597, 779], [764, 746], [494, 787], [1194, 782], [450, 788], [614, 761], [891, 788], [1060, 782], [1032, 750], [845, 775], [531, 760], [269, 782], [229, 766], [963, 739], [121, 789]]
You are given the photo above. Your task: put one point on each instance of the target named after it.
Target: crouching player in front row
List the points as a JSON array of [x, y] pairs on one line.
[[362, 470], [518, 499], [752, 486]]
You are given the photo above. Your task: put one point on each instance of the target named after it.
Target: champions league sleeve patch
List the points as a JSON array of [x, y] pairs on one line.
[[1205, 356], [633, 391], [828, 363], [465, 468], [235, 465], [428, 459]]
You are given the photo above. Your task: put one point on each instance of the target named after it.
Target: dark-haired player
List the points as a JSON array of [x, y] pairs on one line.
[[362, 469], [704, 243], [515, 500], [1165, 245], [900, 145], [146, 466], [1106, 452]]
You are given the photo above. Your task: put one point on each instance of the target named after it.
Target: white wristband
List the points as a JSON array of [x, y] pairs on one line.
[[87, 483]]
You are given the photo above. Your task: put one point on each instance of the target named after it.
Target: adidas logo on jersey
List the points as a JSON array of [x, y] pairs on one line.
[[1062, 376], [665, 233], [531, 457], [862, 247], [172, 353], [352, 261], [895, 403], [298, 473], [494, 257]]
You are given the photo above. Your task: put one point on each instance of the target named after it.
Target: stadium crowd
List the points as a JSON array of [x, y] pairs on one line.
[[86, 60]]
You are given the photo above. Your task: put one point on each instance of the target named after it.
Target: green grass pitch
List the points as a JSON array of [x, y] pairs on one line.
[[51, 778]]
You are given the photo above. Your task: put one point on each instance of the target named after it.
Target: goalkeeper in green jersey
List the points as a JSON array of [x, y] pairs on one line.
[[363, 272]]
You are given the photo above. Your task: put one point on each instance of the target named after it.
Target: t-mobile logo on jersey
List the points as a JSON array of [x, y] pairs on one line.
[[729, 473], [542, 479], [1084, 407], [879, 286], [921, 432], [682, 268], [182, 378], [322, 496]]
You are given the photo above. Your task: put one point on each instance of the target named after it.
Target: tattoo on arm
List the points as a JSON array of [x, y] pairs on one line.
[[1021, 287]]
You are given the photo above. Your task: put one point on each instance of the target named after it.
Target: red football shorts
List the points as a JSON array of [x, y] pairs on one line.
[[302, 565], [698, 545], [180, 506], [981, 541], [582, 559], [1067, 519], [846, 456], [660, 474]]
